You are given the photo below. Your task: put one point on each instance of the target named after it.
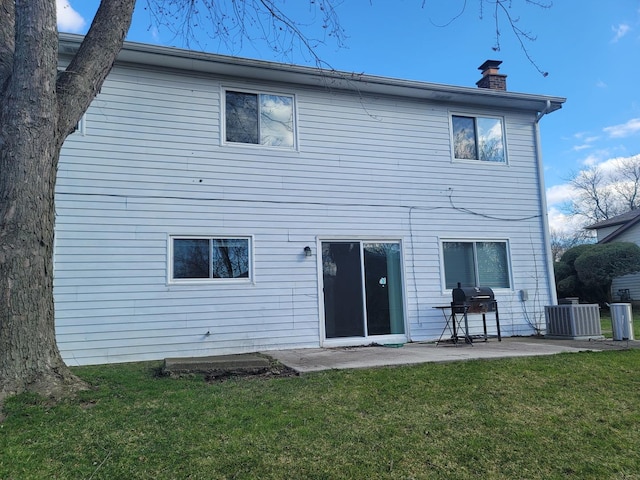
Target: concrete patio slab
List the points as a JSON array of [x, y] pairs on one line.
[[216, 365], [316, 359]]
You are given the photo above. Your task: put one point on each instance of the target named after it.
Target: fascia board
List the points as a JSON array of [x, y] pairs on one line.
[[174, 58]]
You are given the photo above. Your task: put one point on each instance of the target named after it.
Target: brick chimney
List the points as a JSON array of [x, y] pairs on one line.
[[491, 79]]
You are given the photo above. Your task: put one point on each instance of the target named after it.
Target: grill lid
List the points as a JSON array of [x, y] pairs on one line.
[[471, 295]]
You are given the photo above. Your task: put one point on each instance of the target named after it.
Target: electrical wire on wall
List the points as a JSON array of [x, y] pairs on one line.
[[467, 211], [452, 205], [411, 209]]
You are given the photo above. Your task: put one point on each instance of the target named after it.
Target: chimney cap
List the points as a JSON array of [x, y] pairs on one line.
[[490, 64], [491, 76]]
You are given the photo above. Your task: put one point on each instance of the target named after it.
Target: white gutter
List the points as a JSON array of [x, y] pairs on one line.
[[210, 63], [543, 206]]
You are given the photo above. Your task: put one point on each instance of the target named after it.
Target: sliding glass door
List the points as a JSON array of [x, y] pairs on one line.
[[362, 284]]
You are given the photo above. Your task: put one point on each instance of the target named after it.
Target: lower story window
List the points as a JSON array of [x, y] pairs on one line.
[[476, 263], [210, 258]]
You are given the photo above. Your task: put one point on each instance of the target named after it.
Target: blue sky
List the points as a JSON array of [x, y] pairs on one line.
[[590, 48]]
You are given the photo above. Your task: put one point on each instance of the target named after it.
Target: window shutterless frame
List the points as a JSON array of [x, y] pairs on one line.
[[209, 259], [485, 263], [478, 138], [259, 119]]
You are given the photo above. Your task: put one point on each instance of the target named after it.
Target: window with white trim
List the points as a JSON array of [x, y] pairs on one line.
[[259, 118], [478, 138], [210, 258], [476, 263]]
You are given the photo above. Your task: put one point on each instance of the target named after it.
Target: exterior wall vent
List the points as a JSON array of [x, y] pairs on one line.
[[573, 321]]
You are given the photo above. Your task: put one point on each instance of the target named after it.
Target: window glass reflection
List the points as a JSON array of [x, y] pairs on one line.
[[478, 138], [464, 138], [230, 258], [241, 117], [491, 146], [276, 120], [264, 119], [196, 258], [191, 258], [475, 264]]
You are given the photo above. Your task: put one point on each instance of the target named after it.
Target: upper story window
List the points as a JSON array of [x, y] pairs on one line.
[[476, 263], [478, 138], [259, 118], [210, 258]]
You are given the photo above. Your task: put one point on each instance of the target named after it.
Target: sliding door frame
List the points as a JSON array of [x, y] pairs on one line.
[[366, 339]]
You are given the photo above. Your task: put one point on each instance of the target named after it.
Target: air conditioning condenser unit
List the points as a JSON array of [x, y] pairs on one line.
[[573, 321]]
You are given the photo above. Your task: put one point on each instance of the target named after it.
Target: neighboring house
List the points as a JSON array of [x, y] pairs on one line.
[[621, 228], [215, 205]]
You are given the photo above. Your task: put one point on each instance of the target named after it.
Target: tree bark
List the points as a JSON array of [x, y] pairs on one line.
[[7, 40], [38, 111]]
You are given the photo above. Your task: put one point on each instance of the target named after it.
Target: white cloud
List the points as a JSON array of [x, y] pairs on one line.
[[591, 160], [559, 194], [563, 223], [601, 84], [624, 130], [578, 148], [155, 34], [604, 161], [68, 19], [587, 142], [620, 31]]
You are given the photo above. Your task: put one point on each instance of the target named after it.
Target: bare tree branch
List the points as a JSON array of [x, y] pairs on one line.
[[594, 200], [502, 11], [626, 181], [602, 193], [80, 82], [453, 19], [521, 35], [563, 241], [236, 21]]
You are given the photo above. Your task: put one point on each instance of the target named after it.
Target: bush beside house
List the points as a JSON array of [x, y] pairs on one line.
[[587, 271]]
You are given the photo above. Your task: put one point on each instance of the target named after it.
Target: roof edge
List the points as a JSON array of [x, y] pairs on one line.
[[619, 231], [171, 57]]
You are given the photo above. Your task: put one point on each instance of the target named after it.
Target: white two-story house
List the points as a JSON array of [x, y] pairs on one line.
[[214, 205]]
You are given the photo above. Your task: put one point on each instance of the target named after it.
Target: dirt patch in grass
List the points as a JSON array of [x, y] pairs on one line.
[[272, 368], [275, 369]]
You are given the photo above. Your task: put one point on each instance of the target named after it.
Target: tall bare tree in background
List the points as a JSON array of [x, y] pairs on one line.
[[561, 241], [602, 192], [40, 107]]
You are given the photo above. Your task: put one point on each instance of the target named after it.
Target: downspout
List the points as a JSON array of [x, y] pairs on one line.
[[543, 205]]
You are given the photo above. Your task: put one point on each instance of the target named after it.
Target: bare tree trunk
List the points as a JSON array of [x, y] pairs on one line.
[[30, 356], [37, 112]]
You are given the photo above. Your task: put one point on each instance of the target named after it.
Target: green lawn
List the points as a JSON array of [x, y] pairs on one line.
[[563, 416]]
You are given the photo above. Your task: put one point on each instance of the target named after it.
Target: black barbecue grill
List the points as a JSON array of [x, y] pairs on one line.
[[466, 300], [473, 300]]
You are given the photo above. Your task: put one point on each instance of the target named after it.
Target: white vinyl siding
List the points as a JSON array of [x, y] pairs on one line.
[[153, 165]]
